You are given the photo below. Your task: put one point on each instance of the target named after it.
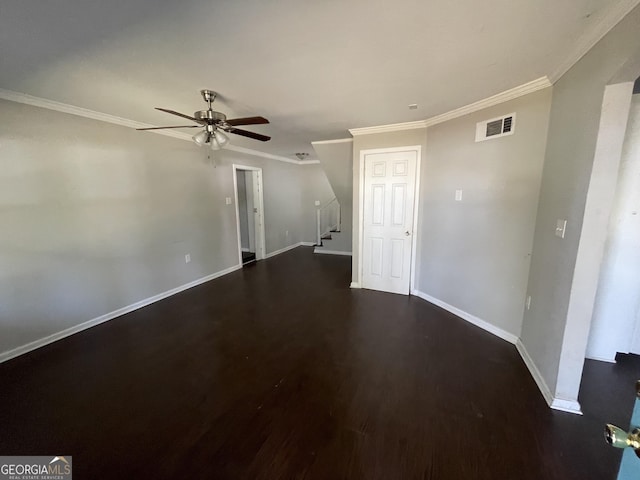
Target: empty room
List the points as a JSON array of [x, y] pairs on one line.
[[320, 240]]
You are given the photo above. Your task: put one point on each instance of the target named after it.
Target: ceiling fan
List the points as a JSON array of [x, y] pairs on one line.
[[214, 123]]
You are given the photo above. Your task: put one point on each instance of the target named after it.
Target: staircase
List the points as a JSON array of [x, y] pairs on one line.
[[328, 240], [328, 223]]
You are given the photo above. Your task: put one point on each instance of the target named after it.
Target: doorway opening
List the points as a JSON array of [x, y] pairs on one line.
[[247, 187]]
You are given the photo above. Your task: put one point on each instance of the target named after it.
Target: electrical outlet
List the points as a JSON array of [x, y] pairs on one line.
[[458, 195], [317, 203], [527, 304], [228, 200], [187, 258]]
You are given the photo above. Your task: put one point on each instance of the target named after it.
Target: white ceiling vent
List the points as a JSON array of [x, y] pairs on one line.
[[496, 127]]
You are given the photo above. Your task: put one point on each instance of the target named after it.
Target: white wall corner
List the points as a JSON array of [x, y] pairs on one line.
[[8, 355], [478, 322], [563, 405], [569, 406], [354, 285]]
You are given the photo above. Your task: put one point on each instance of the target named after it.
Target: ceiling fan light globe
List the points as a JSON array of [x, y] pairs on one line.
[[214, 143], [220, 138], [201, 138]]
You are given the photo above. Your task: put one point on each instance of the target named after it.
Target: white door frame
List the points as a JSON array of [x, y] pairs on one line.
[[258, 202], [363, 154]]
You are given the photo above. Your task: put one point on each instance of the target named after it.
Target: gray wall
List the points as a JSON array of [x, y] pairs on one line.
[[571, 146], [337, 162], [95, 217], [474, 254]]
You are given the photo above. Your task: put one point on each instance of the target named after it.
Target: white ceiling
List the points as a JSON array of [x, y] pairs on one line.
[[314, 68]]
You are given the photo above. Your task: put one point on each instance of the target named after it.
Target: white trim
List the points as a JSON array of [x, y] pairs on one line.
[[517, 92], [363, 154], [511, 94], [27, 99], [354, 285], [308, 244], [330, 252], [246, 250], [535, 373], [261, 248], [612, 17], [285, 249], [478, 322], [8, 355], [602, 359], [308, 162], [327, 142], [392, 127], [569, 406]]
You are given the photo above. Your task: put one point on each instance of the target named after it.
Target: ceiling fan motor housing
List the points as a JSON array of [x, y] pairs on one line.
[[210, 116]]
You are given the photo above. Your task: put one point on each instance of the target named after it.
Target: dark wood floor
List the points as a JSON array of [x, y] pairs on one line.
[[280, 371]]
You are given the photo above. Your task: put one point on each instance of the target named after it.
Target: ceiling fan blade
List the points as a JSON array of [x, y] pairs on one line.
[[179, 126], [245, 133], [172, 112], [247, 121]]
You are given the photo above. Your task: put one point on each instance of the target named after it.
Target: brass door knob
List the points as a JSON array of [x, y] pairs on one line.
[[619, 438]]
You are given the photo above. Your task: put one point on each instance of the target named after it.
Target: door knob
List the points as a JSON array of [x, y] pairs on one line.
[[407, 233], [617, 437]]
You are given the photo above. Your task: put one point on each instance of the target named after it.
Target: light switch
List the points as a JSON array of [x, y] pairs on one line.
[[458, 195], [228, 200], [561, 226], [317, 203]]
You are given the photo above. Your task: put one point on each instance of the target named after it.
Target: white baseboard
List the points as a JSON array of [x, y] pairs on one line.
[[563, 405], [354, 285], [478, 322], [602, 359], [535, 373], [8, 355], [569, 406], [330, 252], [308, 244], [285, 249]]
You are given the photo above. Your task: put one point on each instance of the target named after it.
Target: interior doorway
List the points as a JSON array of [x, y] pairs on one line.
[[247, 186]]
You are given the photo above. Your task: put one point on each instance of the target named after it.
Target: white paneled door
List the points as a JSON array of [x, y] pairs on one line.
[[387, 234]]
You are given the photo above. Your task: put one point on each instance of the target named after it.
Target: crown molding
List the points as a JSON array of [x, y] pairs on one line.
[[612, 17], [40, 102], [511, 94], [309, 162], [393, 127], [326, 142]]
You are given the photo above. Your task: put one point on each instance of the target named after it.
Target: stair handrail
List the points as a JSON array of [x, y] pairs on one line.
[[327, 218]]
